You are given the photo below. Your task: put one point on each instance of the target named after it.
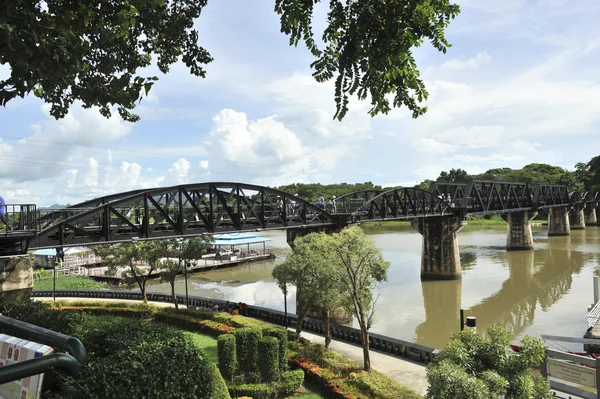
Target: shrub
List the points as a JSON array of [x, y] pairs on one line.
[[255, 391], [268, 358], [102, 337], [292, 335], [216, 388], [226, 355], [247, 348], [282, 337], [289, 383], [478, 366], [41, 314], [109, 311], [238, 321], [124, 360]]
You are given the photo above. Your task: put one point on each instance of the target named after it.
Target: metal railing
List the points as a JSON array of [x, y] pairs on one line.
[[70, 363], [381, 343], [15, 218], [567, 366]]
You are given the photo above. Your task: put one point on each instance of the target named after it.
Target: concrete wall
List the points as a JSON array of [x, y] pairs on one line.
[[16, 275]]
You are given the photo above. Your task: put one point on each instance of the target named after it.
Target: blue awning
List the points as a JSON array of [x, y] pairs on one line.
[[238, 239], [45, 252]]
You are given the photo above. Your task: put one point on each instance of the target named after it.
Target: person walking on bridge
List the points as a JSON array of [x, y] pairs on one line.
[[3, 216]]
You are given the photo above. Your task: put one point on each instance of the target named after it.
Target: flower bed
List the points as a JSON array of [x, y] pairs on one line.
[[210, 327], [344, 377], [322, 376]]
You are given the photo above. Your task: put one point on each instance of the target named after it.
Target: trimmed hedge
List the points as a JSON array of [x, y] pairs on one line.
[[268, 359], [282, 337], [123, 360], [247, 348], [227, 355], [109, 311], [289, 383], [255, 391], [41, 314], [124, 356]]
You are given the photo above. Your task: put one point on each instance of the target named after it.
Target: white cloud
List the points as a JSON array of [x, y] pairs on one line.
[[51, 148], [432, 146], [459, 64], [253, 141], [308, 106], [179, 172]]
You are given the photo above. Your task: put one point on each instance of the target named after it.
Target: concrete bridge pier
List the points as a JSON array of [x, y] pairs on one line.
[[519, 235], [577, 217], [16, 275], [590, 215], [440, 258], [558, 222]]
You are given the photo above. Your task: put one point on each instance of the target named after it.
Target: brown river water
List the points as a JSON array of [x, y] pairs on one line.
[[545, 291]]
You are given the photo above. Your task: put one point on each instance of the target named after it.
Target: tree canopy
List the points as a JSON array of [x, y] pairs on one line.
[[534, 173], [472, 366], [312, 191], [93, 51]]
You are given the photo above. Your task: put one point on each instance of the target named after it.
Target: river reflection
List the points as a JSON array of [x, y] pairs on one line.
[[545, 291]]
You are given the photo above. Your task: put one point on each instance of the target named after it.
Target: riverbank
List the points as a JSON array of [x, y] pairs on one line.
[[495, 220]]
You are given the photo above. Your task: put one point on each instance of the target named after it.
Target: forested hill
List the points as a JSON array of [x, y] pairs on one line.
[[585, 176], [312, 191]]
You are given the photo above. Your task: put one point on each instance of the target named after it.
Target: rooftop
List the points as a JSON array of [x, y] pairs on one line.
[[238, 239]]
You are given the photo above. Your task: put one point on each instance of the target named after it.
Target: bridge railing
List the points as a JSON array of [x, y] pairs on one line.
[[381, 343], [16, 218]]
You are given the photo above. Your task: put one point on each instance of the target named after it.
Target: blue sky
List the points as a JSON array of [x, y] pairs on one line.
[[519, 85]]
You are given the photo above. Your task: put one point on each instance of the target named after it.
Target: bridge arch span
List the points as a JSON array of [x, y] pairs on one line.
[[401, 204], [193, 209]]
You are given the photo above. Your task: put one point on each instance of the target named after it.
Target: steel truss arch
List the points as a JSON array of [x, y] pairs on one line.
[[194, 209], [401, 204], [350, 202]]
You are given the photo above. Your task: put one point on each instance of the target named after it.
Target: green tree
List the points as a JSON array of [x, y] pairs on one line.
[[93, 51], [454, 175], [582, 175], [310, 269], [359, 267], [472, 366], [148, 253], [185, 251], [424, 185], [593, 167]]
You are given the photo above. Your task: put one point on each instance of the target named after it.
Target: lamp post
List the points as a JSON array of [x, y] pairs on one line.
[[187, 300], [60, 255], [285, 303]]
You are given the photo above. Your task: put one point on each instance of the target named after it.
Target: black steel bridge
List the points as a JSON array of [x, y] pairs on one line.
[[208, 208]]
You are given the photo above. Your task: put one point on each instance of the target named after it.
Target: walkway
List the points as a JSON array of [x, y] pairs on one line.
[[407, 373]]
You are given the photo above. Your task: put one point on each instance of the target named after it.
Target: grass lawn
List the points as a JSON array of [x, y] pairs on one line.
[[69, 283], [308, 391], [206, 343]]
